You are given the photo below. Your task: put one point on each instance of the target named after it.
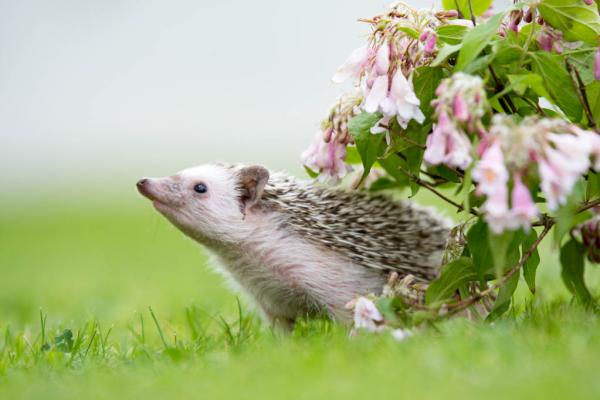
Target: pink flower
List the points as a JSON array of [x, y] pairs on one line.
[[557, 178], [430, 39], [397, 99], [490, 172], [576, 149], [406, 101], [382, 59], [516, 17], [497, 214], [447, 145], [524, 210], [377, 94], [545, 41], [491, 176], [460, 109], [328, 159], [367, 316], [597, 65], [588, 2], [353, 66]]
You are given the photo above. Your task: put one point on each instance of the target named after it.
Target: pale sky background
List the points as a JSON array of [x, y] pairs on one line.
[[108, 91]]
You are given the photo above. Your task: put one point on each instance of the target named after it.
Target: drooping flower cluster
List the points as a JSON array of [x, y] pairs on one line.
[[326, 155], [555, 150], [459, 107], [383, 67]]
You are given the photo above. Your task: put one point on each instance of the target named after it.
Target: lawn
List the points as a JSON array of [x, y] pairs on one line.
[[92, 266]]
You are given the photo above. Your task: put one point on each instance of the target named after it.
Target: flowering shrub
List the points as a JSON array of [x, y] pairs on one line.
[[495, 112]]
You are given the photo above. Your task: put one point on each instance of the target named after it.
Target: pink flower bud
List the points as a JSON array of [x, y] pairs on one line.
[[459, 108], [448, 14], [424, 36], [588, 2], [545, 41], [528, 17], [515, 20], [328, 159], [524, 209], [430, 43]]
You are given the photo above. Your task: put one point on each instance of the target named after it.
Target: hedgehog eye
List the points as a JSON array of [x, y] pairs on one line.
[[200, 188]]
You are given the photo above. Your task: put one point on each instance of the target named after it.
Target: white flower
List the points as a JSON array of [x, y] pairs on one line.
[[401, 334], [353, 66], [367, 316], [490, 172], [397, 99], [377, 94], [406, 101], [576, 149]]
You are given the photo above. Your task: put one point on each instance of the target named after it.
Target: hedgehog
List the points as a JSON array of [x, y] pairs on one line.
[[297, 248]]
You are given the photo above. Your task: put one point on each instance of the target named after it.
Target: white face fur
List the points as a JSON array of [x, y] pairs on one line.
[[206, 202]]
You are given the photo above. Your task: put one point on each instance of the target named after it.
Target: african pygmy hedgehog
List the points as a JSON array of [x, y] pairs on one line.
[[297, 248]]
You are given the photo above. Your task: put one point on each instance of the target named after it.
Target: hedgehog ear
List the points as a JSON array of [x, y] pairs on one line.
[[252, 181]]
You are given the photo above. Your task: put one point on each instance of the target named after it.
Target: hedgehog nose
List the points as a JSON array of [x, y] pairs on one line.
[[143, 187], [140, 184]]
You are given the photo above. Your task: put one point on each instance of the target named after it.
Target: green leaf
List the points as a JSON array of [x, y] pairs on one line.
[[446, 173], [369, 146], [592, 189], [583, 61], [558, 83], [477, 39], [521, 82], [444, 53], [530, 266], [383, 183], [310, 172], [573, 265], [454, 275], [409, 31], [425, 82], [392, 165], [593, 96], [451, 34], [478, 6], [64, 341], [499, 243], [479, 247], [414, 155], [505, 294], [574, 18], [352, 156], [506, 52]]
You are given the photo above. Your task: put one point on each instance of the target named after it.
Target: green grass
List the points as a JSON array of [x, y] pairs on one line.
[[94, 267]]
